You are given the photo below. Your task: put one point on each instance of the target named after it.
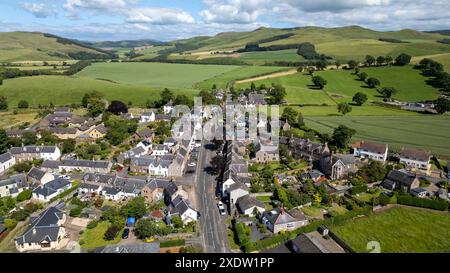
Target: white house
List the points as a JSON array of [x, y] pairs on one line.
[[111, 193], [7, 160], [236, 191], [371, 150], [159, 168], [168, 108], [416, 159], [38, 176], [160, 149], [13, 185], [36, 152], [247, 205], [181, 207], [147, 117], [45, 232], [46, 192]]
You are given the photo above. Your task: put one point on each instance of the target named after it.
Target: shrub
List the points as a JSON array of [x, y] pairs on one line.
[[92, 224], [10, 224], [75, 212], [173, 243], [358, 189], [24, 195], [111, 233], [384, 199], [422, 202]]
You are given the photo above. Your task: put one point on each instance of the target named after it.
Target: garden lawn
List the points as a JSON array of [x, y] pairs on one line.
[[93, 238], [420, 131], [399, 230], [155, 74], [312, 212]]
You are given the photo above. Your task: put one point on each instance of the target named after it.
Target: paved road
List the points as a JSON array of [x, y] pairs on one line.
[[212, 224]]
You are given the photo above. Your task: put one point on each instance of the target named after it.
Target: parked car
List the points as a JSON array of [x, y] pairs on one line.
[[126, 233], [65, 177], [221, 208]]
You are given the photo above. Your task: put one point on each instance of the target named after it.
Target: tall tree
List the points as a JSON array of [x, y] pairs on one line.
[[289, 114], [381, 60], [344, 108], [373, 82], [388, 92], [3, 103], [442, 105], [362, 76], [319, 81], [342, 136], [352, 64], [166, 96], [403, 59], [4, 141], [370, 60], [359, 98], [117, 108]]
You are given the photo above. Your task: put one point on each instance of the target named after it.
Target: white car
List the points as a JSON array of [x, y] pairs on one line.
[[221, 208], [66, 177]]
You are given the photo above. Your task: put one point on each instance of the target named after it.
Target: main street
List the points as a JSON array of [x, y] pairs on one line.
[[212, 224]]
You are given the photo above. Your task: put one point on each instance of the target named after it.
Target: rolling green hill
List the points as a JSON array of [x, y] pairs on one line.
[[33, 47], [343, 43]]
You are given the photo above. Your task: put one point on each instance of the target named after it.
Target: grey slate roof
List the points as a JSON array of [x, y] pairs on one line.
[[33, 149], [158, 184], [398, 177], [51, 187], [86, 163], [5, 157], [279, 216], [413, 154], [45, 227], [304, 244], [245, 202], [100, 178], [36, 173], [51, 164]]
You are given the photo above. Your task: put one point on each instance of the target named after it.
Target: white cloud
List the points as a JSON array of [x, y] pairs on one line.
[[235, 11], [98, 4], [39, 10], [334, 5], [159, 16]]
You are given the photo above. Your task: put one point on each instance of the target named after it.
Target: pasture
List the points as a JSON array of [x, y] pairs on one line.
[[63, 90], [260, 58], [399, 230], [239, 73], [416, 131], [154, 74]]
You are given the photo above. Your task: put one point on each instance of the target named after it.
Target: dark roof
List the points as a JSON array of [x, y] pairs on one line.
[[86, 163], [372, 147], [33, 149], [304, 244], [51, 187], [59, 130], [279, 216], [158, 184], [246, 202], [111, 190], [51, 164], [179, 205], [147, 132], [399, 177], [5, 157], [36, 173], [45, 227], [413, 154]]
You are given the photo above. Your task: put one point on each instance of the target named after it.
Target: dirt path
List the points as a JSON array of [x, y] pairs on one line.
[[269, 76]]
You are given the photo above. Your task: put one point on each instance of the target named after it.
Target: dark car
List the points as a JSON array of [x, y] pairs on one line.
[[126, 233], [75, 194]]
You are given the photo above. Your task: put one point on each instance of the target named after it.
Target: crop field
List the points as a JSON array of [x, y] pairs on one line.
[[365, 110], [415, 131], [63, 90], [239, 73], [399, 230], [155, 74]]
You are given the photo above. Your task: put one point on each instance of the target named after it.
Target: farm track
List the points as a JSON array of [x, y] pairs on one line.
[[269, 76]]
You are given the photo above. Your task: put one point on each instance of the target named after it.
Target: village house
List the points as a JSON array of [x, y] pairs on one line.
[[133, 153], [64, 133], [416, 160], [164, 118], [247, 205], [44, 233], [371, 150], [314, 242], [147, 117], [13, 185], [39, 177], [279, 219], [255, 99], [160, 149], [46, 192], [168, 107], [145, 134], [266, 153], [236, 191], [72, 165], [7, 161], [153, 191], [305, 149], [401, 180], [316, 176], [180, 207], [98, 132], [338, 166], [28, 153]]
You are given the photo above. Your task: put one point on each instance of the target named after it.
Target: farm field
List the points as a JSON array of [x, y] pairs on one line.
[[365, 110], [155, 74], [63, 90], [9, 120], [343, 84], [239, 73], [444, 59], [399, 230], [260, 58], [297, 88], [416, 131]]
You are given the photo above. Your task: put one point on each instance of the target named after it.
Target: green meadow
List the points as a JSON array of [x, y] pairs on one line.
[[399, 230]]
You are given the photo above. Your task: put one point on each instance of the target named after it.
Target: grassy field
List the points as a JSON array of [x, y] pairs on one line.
[[239, 73], [62, 90], [444, 59], [26, 46], [297, 88], [416, 131], [9, 120], [399, 230], [155, 74], [260, 58], [93, 238], [342, 85], [365, 110]]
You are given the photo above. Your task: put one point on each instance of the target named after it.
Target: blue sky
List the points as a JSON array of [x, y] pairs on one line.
[[177, 19]]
